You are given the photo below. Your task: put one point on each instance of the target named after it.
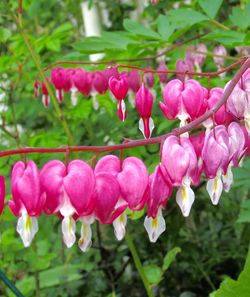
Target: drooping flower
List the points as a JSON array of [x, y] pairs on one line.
[[236, 150], [197, 141], [69, 190], [100, 82], [184, 66], [150, 79], [57, 77], [111, 71], [160, 190], [219, 52], [220, 117], [119, 88], [238, 103], [163, 77], [36, 88], [132, 177], [28, 200], [197, 55], [144, 104], [2, 193], [216, 158], [134, 80], [179, 165], [183, 100], [45, 92]]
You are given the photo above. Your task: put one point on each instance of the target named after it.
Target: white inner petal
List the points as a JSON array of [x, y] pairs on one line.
[[214, 189], [123, 105], [155, 227], [68, 231], [85, 242], [73, 96], [185, 198], [141, 127], [228, 179], [120, 226], [27, 227]]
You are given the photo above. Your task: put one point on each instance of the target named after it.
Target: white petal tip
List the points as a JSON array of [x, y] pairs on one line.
[[68, 231], [85, 242], [214, 189], [155, 226], [27, 227], [120, 226], [185, 199]]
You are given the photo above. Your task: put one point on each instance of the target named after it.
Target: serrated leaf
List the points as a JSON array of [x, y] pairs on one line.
[[211, 7], [153, 274], [164, 27], [138, 29], [183, 17], [170, 258]]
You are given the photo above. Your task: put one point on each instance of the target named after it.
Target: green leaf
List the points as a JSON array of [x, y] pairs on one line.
[[4, 34], [211, 7], [164, 27], [239, 288], [153, 273], [244, 216], [183, 17], [138, 29], [240, 17], [226, 37], [170, 258], [53, 45]]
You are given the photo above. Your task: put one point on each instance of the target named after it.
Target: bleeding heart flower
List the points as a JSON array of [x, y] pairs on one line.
[[69, 190], [2, 194], [57, 77], [134, 80], [100, 82], [220, 117], [236, 150], [81, 82], [238, 103], [45, 92], [159, 193], [197, 141], [150, 79], [183, 100], [184, 66], [197, 58], [216, 158], [119, 88], [28, 201], [219, 51], [179, 165], [163, 77], [36, 88], [144, 104], [111, 71]]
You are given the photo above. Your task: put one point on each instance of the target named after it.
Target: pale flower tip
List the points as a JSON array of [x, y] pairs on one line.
[[27, 227], [85, 241], [185, 199], [247, 123], [68, 231], [227, 180], [155, 226], [214, 189], [120, 226]]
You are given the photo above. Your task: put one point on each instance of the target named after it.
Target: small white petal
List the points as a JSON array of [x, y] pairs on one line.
[[95, 101], [155, 227], [68, 231], [27, 227], [247, 121], [45, 100], [142, 129], [185, 198], [123, 105], [73, 96], [120, 226], [85, 242], [228, 179], [214, 189], [151, 125]]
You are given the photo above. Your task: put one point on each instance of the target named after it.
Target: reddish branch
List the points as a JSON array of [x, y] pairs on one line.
[[147, 70], [141, 142]]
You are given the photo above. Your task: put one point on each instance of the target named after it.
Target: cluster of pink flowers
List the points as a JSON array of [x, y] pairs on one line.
[[76, 191], [184, 99]]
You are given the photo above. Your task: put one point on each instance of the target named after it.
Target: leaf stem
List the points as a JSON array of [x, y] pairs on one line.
[[138, 264], [10, 284], [218, 24]]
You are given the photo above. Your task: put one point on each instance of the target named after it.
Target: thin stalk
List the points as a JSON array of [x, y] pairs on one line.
[[10, 284], [219, 25], [138, 264], [37, 280], [43, 77]]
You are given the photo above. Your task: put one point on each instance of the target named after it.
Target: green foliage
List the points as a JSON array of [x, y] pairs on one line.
[[211, 8]]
